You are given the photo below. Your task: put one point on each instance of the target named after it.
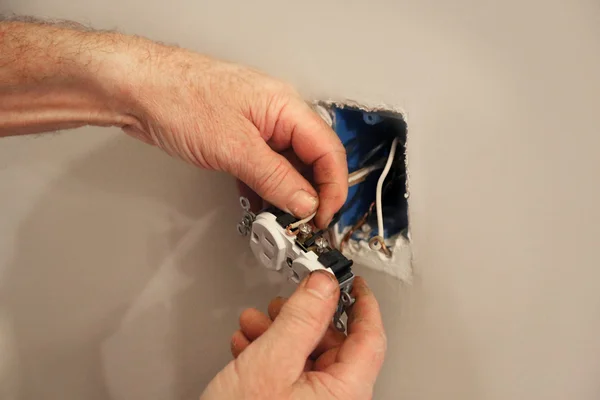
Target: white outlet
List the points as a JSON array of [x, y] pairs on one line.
[[276, 250]]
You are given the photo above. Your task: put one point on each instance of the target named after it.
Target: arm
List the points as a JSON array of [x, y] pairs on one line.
[[210, 113], [51, 78]]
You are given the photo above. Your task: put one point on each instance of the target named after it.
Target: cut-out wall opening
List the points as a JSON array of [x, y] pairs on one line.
[[370, 136]]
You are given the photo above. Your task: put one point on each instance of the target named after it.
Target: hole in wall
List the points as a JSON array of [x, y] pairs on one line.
[[375, 142]]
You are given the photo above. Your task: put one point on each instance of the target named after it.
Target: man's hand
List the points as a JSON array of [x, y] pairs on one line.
[[213, 114], [226, 117], [295, 354]]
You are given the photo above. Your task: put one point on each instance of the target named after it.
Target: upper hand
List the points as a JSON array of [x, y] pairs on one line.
[[226, 117], [295, 354]]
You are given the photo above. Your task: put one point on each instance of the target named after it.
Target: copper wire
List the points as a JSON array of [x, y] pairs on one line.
[[356, 226]]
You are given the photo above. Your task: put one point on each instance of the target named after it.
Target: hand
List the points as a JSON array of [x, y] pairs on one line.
[[213, 114], [295, 354], [226, 117]]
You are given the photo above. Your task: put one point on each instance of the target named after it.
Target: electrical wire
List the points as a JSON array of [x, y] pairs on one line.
[[361, 174], [378, 195], [347, 206], [356, 226], [373, 152], [302, 221]]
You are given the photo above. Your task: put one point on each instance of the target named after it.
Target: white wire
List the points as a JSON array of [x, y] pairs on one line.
[[356, 176], [302, 221], [386, 169]]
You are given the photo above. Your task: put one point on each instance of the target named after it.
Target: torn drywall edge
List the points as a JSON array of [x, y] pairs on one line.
[[401, 265]]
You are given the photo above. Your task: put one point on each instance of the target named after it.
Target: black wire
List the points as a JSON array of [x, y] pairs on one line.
[[372, 153], [337, 216]]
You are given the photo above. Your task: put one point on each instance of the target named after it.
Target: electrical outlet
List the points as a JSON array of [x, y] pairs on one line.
[[279, 240]]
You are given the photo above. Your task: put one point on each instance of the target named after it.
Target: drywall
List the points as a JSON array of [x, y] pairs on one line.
[[117, 278]]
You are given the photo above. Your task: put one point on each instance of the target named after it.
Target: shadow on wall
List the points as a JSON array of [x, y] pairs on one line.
[[128, 278], [418, 365]]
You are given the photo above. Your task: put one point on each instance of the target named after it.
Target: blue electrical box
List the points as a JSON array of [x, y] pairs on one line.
[[367, 137]]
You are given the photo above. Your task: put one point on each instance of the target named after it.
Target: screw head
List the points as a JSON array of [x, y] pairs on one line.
[[304, 229], [321, 243]]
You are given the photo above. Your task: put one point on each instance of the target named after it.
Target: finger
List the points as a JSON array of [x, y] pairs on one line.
[[274, 179], [331, 339], [304, 170], [317, 145], [300, 325], [254, 323], [362, 353], [275, 307], [239, 343], [326, 359]]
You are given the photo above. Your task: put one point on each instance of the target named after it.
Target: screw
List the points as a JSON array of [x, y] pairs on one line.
[[321, 244], [304, 230]]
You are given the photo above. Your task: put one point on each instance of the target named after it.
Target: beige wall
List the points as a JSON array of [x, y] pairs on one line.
[[117, 274]]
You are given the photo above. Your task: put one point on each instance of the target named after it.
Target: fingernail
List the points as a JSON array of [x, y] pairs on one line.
[[302, 204], [322, 284]]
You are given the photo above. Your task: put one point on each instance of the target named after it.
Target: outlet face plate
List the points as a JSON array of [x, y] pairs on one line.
[[272, 247], [266, 243], [279, 240]]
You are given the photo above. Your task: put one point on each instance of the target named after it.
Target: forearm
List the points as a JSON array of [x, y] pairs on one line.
[[53, 77]]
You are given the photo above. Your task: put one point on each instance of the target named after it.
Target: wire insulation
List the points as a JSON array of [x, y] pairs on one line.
[[378, 195], [302, 221], [360, 175]]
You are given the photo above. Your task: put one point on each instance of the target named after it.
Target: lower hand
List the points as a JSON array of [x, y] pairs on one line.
[[295, 354]]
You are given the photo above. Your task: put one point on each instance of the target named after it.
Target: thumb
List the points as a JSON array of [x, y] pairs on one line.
[[299, 327], [274, 179]]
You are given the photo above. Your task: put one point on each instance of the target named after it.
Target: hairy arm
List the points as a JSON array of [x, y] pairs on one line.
[[210, 113], [60, 76]]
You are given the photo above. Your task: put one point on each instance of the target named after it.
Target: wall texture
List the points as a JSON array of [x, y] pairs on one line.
[[117, 278]]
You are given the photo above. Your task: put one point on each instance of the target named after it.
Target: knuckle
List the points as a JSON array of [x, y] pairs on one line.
[[286, 89], [376, 340]]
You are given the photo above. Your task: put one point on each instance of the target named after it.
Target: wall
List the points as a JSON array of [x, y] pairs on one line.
[[117, 278]]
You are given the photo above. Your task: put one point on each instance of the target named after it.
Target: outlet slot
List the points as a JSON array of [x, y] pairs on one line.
[[269, 242]]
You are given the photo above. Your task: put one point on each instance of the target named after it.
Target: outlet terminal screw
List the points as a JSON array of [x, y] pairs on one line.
[[321, 244], [304, 230]]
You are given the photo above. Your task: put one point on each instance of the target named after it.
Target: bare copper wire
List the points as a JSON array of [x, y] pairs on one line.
[[384, 249], [356, 226]]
